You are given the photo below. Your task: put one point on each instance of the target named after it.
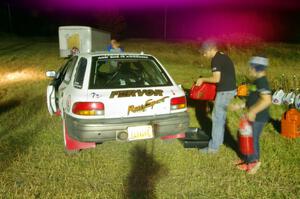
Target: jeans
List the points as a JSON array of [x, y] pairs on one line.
[[222, 100], [257, 128]]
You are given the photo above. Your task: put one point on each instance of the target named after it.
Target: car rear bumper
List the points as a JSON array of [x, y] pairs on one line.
[[100, 130]]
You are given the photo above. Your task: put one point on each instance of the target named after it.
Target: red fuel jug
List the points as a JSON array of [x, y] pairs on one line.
[[207, 91]]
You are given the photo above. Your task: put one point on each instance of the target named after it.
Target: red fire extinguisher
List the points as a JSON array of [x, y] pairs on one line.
[[245, 136]]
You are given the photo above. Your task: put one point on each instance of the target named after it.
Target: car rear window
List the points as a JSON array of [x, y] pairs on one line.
[[109, 73]]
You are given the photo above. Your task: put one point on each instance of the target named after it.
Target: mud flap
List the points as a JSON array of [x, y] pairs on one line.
[[195, 138], [74, 145], [167, 137]]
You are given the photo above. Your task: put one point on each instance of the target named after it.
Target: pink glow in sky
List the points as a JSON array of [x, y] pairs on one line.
[[228, 20], [147, 4], [227, 26]]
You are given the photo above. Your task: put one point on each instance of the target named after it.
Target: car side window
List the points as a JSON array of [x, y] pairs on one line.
[[70, 68], [80, 72], [60, 75], [62, 71]]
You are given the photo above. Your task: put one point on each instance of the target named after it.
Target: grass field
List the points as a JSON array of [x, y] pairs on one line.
[[33, 163]]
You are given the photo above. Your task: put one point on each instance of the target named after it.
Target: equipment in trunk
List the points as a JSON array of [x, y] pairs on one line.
[[195, 138]]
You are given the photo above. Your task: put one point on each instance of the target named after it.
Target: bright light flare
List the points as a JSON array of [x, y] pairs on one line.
[[22, 75], [16, 76]]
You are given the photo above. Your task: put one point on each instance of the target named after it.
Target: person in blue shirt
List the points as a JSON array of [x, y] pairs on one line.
[[115, 46]]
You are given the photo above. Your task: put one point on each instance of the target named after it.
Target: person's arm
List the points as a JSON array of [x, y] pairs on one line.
[[263, 102], [215, 78]]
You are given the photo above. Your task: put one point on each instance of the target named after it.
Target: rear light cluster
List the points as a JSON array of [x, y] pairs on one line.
[[88, 108], [178, 103]]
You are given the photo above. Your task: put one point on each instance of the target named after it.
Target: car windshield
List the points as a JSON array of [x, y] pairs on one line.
[[119, 72]]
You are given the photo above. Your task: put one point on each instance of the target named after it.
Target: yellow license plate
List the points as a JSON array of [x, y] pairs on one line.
[[140, 132]]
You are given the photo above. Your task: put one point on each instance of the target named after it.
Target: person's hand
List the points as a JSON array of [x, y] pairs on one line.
[[199, 82], [251, 116]]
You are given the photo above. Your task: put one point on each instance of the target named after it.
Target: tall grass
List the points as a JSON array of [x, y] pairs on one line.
[[33, 163]]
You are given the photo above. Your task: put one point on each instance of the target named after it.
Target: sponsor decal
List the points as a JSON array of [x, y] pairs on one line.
[[123, 57], [141, 108], [136, 56], [95, 95], [103, 57], [136, 93]]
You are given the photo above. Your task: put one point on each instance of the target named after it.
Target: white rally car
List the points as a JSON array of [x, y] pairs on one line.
[[125, 96]]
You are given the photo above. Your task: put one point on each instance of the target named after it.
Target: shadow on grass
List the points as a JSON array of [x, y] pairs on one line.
[[230, 142], [145, 171], [8, 105], [276, 124], [18, 135], [202, 110]]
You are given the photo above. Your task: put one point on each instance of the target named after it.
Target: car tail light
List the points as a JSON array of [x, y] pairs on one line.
[[178, 103], [88, 108]]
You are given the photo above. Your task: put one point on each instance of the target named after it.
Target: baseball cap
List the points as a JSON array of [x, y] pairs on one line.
[[259, 63]]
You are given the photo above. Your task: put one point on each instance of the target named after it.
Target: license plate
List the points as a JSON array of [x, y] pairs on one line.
[[140, 132]]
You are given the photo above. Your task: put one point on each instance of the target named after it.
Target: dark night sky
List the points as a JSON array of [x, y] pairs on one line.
[[270, 20]]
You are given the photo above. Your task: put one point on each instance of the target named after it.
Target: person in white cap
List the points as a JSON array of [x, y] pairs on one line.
[[257, 105]]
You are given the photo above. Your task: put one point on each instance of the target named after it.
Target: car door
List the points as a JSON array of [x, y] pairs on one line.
[[54, 87], [51, 99], [64, 85]]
